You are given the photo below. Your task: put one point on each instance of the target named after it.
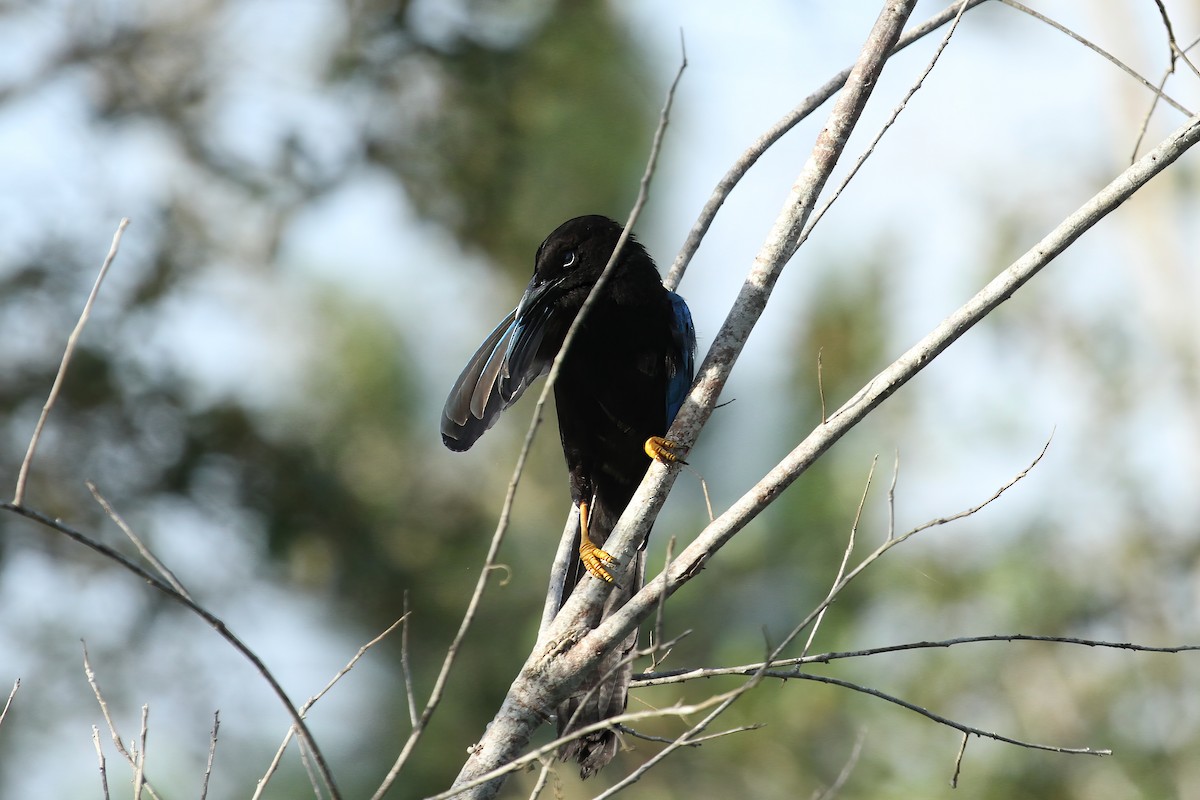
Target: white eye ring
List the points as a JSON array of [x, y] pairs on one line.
[[568, 259]]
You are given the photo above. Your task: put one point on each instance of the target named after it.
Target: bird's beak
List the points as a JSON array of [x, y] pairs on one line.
[[537, 294]]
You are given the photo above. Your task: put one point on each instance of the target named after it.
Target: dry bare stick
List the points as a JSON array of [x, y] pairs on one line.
[[550, 672], [938, 718], [213, 621], [841, 572], [405, 669], [137, 542], [962, 750], [274, 765], [656, 633], [747, 160], [72, 340], [543, 778], [130, 758], [100, 757], [684, 675], [1121, 65], [139, 772], [8, 702], [696, 742], [212, 752]]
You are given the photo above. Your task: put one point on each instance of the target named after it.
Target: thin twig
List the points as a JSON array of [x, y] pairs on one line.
[[130, 758], [891, 498], [682, 676], [100, 758], [304, 709], [962, 750], [938, 718], [139, 772], [212, 752], [821, 383], [841, 572], [699, 740], [137, 542], [656, 632], [72, 340], [8, 702], [1128, 70], [405, 669], [543, 778]]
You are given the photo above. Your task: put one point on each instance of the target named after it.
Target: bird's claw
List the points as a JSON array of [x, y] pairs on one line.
[[663, 450], [595, 560]]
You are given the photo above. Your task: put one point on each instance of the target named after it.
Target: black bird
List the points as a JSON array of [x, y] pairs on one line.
[[622, 381]]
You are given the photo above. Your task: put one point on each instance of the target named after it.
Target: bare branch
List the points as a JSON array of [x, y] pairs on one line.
[[8, 702], [680, 676], [212, 752], [405, 669], [696, 742], [841, 572], [72, 340], [962, 750], [938, 718], [139, 772], [100, 758]]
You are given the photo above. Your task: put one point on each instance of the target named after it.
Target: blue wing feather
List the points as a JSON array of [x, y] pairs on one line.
[[681, 360]]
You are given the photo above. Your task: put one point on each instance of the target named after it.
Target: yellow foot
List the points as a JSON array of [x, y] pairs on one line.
[[663, 450], [594, 559]]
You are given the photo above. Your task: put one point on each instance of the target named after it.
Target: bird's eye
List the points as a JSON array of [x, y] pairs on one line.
[[568, 259]]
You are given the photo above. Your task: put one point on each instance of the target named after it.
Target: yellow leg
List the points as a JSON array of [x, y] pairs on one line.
[[594, 559], [663, 450]]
